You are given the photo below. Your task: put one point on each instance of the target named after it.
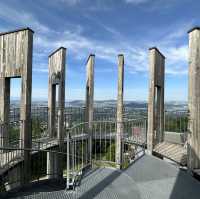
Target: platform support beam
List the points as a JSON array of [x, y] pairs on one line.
[[194, 100], [15, 62], [119, 136], [4, 111], [56, 78], [89, 107], [155, 132]]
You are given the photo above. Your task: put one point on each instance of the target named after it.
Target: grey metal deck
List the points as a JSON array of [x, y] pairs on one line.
[[147, 178]]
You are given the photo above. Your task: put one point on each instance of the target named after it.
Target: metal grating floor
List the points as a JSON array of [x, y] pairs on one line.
[[147, 178]]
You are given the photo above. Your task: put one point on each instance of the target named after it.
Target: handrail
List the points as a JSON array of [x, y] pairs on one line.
[[102, 121]]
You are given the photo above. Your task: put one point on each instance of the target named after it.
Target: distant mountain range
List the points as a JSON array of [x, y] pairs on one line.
[[110, 103]]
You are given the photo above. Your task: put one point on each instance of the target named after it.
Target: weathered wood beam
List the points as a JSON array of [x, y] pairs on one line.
[[89, 108], [194, 99], [119, 135], [155, 132]]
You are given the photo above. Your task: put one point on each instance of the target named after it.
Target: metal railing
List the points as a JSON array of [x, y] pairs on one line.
[[12, 173], [176, 121], [176, 126], [103, 134]]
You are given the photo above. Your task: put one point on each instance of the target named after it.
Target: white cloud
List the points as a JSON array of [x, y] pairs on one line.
[[177, 60], [179, 54], [81, 46], [174, 45], [136, 56], [41, 70], [136, 1], [21, 18], [71, 2]]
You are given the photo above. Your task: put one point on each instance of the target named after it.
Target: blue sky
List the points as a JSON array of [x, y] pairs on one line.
[[106, 28]]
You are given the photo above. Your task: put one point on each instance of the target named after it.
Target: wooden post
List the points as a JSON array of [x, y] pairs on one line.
[[4, 110], [194, 100], [119, 135], [61, 109], [16, 61], [25, 110], [51, 109], [90, 101], [155, 133], [56, 77]]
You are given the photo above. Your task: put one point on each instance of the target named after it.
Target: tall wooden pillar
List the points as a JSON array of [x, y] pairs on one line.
[[25, 109], [194, 99], [119, 135], [56, 78], [89, 102], [155, 133], [15, 62], [4, 111], [52, 109]]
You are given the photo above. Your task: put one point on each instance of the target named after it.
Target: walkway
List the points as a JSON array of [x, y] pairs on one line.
[[147, 178]]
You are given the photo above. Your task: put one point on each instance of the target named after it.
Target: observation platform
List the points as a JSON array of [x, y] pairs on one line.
[[146, 178]]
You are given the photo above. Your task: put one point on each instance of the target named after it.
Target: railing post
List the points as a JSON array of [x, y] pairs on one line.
[[155, 133], [194, 99], [119, 135], [89, 102]]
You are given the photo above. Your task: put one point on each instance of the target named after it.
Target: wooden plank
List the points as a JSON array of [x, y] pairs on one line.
[[13, 53], [172, 151]]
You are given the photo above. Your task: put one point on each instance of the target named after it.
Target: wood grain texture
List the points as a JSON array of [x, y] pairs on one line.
[[56, 78], [16, 61], [89, 101], [155, 133], [120, 127], [194, 100], [13, 53]]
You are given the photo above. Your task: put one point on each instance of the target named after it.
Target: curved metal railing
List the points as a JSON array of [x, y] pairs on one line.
[[103, 135], [103, 150], [76, 151], [12, 174]]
